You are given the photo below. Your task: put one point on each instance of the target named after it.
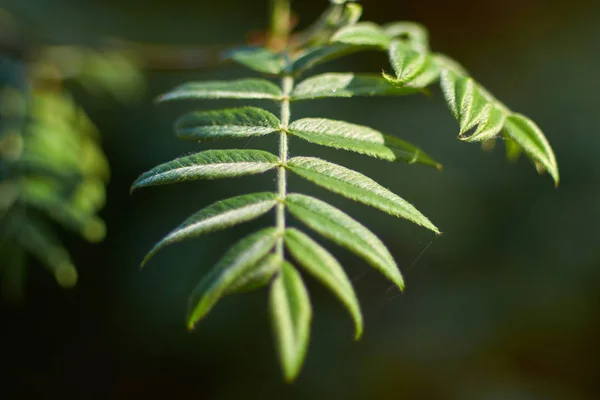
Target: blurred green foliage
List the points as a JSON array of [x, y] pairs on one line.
[[504, 305]]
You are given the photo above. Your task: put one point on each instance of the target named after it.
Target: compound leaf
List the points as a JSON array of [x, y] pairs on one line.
[[357, 138], [220, 215], [259, 276], [241, 258], [347, 85], [209, 164], [362, 34], [345, 231], [291, 313], [258, 59], [323, 266], [358, 187], [237, 89], [229, 123], [531, 139]]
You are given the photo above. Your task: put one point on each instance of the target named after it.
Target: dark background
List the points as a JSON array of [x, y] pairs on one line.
[[504, 305]]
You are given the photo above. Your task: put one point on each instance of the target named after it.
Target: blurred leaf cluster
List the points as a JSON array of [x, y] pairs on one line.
[[52, 167]]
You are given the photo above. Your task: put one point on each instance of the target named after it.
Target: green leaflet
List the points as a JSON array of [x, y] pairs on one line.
[[513, 150], [360, 139], [257, 277], [220, 215], [346, 85], [407, 62], [414, 33], [291, 313], [342, 229], [237, 89], [40, 241], [323, 266], [358, 187], [472, 106], [258, 59], [362, 34], [321, 54], [529, 136], [209, 164], [241, 258], [229, 123]]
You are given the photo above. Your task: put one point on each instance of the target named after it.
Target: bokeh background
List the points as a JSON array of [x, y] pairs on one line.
[[504, 305]]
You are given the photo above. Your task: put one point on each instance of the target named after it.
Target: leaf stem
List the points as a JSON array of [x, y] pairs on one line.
[[287, 85]]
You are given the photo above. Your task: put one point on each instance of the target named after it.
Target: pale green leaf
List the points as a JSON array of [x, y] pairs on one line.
[[220, 215], [489, 127], [258, 59], [42, 243], [346, 85], [323, 266], [229, 123], [414, 33], [291, 313], [358, 187], [209, 164], [406, 61], [237, 89], [342, 229], [241, 258], [357, 138], [257, 277], [513, 150], [362, 34], [530, 137]]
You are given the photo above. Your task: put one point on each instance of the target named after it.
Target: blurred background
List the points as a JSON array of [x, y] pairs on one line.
[[504, 305]]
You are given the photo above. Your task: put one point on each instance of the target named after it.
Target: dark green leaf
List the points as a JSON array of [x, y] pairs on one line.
[[220, 215], [529, 136], [321, 54], [238, 89], [210, 164], [240, 259], [357, 138], [346, 85], [291, 313], [342, 229], [323, 266], [258, 59], [229, 123], [358, 187]]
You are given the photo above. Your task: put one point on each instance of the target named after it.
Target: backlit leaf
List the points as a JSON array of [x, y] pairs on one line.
[[362, 34], [220, 215], [209, 164], [322, 265], [241, 258], [406, 61], [358, 187], [529, 136], [258, 59], [291, 313], [411, 32], [229, 123], [357, 138], [342, 229], [346, 85], [237, 89]]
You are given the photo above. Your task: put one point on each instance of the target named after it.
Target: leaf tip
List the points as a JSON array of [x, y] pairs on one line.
[[439, 167]]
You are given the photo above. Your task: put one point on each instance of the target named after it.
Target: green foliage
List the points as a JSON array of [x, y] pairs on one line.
[[262, 258], [51, 163]]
